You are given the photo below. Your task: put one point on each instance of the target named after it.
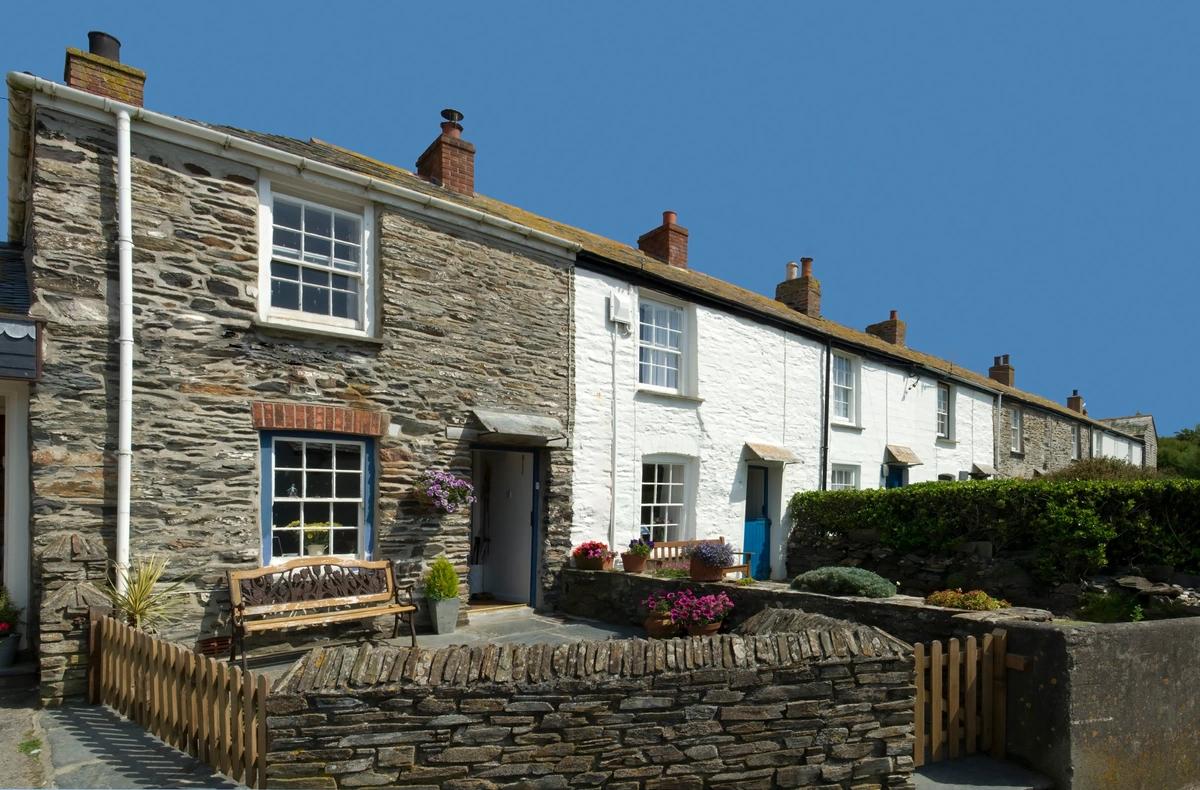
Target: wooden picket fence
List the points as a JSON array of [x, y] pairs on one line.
[[961, 697], [199, 705]]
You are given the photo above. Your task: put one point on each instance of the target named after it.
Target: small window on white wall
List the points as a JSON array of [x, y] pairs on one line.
[[315, 262], [943, 411], [842, 477], [661, 345], [664, 494], [844, 389]]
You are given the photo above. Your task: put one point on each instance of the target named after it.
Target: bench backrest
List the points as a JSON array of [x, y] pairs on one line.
[[311, 583], [677, 549]]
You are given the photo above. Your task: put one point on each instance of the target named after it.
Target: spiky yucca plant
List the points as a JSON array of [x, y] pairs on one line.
[[144, 604]]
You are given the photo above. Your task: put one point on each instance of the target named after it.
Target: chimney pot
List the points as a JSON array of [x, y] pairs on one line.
[[792, 270], [803, 293], [449, 161], [668, 242], [806, 267], [104, 44]]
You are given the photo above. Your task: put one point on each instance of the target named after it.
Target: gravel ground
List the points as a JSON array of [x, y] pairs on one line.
[[22, 742]]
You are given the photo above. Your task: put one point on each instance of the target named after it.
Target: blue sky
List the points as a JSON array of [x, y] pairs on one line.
[[1015, 178]]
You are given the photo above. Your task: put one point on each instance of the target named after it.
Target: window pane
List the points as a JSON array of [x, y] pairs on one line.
[[346, 229], [285, 294], [286, 544], [343, 305], [345, 541], [287, 213], [287, 242], [316, 514], [288, 484], [347, 484], [285, 271], [345, 514], [285, 514], [345, 252], [289, 455], [318, 221], [349, 456], [320, 456], [319, 484], [316, 277], [317, 250], [316, 300]]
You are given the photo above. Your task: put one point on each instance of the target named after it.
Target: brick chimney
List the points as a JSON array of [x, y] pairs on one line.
[[100, 70], [668, 242], [803, 293], [449, 161], [1001, 371], [891, 330], [1075, 402]]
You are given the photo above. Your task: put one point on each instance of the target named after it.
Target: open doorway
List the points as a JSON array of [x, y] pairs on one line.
[[503, 560]]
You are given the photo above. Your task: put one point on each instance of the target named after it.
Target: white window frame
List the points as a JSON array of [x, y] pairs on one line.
[[677, 466], [1016, 428], [850, 477], [946, 414], [685, 353], [365, 324], [361, 499], [1076, 443], [852, 389]]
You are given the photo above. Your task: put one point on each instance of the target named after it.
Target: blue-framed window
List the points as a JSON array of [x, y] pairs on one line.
[[318, 495]]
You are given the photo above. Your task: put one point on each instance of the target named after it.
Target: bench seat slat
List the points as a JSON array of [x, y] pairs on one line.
[[318, 603], [325, 617]]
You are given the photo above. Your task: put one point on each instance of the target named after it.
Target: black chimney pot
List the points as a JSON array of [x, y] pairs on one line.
[[104, 45]]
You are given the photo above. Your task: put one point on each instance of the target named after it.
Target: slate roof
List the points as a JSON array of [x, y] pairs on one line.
[[14, 281]]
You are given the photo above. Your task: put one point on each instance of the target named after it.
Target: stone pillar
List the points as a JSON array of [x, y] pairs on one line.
[[70, 572]]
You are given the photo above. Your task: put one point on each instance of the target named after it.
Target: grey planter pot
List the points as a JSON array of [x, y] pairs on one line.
[[444, 614], [8, 649]]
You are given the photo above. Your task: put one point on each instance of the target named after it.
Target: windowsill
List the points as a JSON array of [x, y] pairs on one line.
[[847, 426], [679, 396], [292, 330], [1017, 453], [946, 441]]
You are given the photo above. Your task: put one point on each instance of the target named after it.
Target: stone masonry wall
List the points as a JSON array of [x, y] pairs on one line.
[[464, 323], [828, 708], [1047, 443]]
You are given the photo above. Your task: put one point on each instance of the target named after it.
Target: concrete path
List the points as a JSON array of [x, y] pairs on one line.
[[978, 773]]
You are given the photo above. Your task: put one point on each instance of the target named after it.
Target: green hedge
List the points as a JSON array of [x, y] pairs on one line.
[[1074, 528]]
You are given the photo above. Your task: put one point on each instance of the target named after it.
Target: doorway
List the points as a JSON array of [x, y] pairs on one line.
[[896, 476], [757, 536], [504, 525]]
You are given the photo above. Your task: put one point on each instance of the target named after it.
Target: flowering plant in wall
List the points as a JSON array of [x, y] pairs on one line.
[[700, 614], [445, 491], [658, 622], [709, 561], [592, 555]]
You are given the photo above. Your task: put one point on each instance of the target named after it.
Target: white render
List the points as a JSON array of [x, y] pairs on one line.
[[897, 406], [750, 382], [1110, 445]]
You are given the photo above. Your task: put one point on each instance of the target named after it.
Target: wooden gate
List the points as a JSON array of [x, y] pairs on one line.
[[199, 705], [961, 697]]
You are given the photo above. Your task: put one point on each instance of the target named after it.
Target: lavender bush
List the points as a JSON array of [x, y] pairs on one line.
[[445, 491], [714, 555]]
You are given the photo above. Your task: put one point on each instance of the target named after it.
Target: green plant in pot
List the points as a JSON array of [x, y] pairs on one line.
[[441, 591], [10, 618], [141, 600], [634, 560]]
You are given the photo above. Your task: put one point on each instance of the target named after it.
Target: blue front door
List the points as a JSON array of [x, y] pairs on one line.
[[895, 476], [757, 539]]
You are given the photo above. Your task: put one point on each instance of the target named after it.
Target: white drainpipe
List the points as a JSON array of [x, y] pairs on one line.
[[125, 345]]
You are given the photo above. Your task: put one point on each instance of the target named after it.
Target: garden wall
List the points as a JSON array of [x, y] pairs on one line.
[[828, 706]]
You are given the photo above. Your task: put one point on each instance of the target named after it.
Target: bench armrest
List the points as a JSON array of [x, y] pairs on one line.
[[404, 592]]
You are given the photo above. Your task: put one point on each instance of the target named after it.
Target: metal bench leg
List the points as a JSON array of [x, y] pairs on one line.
[[232, 647], [396, 625], [412, 627]]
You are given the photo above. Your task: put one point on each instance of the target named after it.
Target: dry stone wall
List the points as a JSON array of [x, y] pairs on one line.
[[821, 707], [465, 322]]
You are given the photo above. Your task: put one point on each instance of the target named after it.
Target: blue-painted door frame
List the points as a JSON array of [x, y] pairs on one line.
[[535, 515], [757, 536], [895, 476], [266, 484]]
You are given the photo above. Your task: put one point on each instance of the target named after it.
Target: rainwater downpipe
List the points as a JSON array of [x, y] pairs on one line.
[[825, 418], [996, 430], [125, 347]]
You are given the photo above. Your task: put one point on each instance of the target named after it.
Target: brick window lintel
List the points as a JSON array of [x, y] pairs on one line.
[[269, 416]]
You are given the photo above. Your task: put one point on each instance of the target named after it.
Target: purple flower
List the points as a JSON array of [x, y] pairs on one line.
[[445, 491]]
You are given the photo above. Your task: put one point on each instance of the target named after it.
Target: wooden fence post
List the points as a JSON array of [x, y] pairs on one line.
[[919, 713]]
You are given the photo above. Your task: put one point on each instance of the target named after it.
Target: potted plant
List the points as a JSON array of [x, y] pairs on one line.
[[444, 491], [141, 601], [316, 540], [634, 560], [592, 555], [10, 618], [441, 591], [701, 615], [658, 622], [708, 561]]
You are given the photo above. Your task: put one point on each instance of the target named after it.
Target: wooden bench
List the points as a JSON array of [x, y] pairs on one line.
[[315, 591], [668, 551]]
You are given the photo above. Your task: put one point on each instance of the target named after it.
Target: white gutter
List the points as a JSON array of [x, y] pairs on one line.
[[125, 345], [302, 163]]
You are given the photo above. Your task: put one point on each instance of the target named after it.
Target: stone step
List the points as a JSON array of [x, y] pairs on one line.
[[22, 675], [978, 772]]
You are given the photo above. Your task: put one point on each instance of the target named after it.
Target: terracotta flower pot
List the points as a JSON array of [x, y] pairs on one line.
[[704, 630], [633, 563], [659, 626], [703, 572], [593, 563]]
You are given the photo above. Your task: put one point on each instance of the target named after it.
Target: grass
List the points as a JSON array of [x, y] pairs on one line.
[[30, 746]]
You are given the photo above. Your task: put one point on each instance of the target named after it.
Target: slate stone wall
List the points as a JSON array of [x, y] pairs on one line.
[[1047, 443], [803, 709], [465, 322]]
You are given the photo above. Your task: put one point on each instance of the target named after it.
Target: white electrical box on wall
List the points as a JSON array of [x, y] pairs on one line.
[[620, 308]]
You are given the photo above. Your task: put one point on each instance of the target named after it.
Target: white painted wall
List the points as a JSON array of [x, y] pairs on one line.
[[1110, 445], [896, 407], [15, 395], [752, 383]]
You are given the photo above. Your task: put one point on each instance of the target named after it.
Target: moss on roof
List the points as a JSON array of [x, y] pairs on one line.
[[624, 257]]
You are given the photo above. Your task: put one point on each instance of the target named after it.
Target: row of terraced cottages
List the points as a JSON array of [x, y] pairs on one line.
[[309, 330]]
